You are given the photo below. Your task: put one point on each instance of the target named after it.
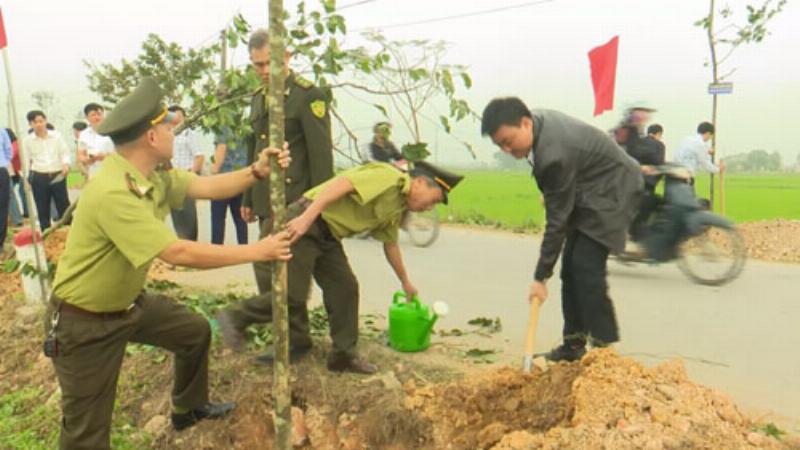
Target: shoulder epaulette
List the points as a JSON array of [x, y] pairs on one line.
[[302, 82]]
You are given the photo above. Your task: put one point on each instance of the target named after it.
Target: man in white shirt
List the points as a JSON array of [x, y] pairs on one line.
[[186, 155], [695, 152], [92, 147], [47, 159]]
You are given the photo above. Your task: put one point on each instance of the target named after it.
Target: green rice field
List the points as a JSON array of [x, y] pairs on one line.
[[511, 199]]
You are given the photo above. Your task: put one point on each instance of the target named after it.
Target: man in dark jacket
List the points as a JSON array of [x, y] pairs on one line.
[[308, 133], [591, 191]]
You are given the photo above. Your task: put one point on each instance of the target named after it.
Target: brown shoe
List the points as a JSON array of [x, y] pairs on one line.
[[231, 336], [352, 364]]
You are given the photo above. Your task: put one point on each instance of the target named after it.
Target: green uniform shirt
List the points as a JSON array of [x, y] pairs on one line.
[[377, 205], [118, 229]]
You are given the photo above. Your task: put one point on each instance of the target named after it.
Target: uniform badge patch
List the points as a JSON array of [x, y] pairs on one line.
[[318, 108]]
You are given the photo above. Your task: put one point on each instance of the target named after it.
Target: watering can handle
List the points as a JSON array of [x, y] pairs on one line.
[[401, 294]]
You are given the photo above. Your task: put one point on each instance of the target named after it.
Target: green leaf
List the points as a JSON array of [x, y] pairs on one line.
[[466, 79], [445, 123], [447, 82], [381, 109], [415, 152], [478, 353], [11, 265]]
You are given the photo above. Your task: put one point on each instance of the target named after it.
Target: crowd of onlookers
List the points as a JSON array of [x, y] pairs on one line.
[[44, 155]]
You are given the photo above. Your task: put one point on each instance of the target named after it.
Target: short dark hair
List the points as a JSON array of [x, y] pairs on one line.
[[705, 127], [32, 115], [11, 135], [258, 40], [174, 108], [92, 107], [655, 129], [79, 125], [503, 111]]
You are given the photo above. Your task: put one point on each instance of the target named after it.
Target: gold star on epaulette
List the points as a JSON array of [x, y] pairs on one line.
[[137, 190]]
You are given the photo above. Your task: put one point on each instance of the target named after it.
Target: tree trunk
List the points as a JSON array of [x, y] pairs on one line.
[[281, 390]]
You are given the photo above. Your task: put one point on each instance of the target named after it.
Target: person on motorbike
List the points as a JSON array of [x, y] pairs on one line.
[[381, 148], [648, 152]]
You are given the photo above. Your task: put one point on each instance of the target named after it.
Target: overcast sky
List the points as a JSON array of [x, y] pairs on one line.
[[537, 51]]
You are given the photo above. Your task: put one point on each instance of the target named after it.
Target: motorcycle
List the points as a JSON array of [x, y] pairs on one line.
[[707, 247]]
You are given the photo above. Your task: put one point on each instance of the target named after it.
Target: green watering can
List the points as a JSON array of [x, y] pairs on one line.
[[410, 323]]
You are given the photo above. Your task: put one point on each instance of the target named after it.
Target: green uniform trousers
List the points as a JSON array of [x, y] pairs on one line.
[[321, 256], [90, 355]]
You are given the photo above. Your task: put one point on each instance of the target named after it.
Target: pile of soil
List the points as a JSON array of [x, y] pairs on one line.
[[772, 240], [603, 402]]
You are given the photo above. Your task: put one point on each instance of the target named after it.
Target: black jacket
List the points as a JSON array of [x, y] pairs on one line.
[[308, 132], [588, 183]]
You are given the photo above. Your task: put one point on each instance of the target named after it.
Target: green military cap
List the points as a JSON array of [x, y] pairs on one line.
[[446, 180], [137, 112]]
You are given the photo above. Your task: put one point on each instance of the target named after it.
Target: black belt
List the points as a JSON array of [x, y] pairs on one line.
[[46, 174], [67, 308]]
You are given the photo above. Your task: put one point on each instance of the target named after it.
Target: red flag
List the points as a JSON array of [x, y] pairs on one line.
[[603, 62], [3, 41]]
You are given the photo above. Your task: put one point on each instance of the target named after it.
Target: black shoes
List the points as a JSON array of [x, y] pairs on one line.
[[565, 352], [210, 411], [295, 353]]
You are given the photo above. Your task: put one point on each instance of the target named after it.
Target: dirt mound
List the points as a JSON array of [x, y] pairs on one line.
[[603, 402], [772, 240], [478, 411]]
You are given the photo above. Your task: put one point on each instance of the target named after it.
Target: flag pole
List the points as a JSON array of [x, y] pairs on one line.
[[33, 218]]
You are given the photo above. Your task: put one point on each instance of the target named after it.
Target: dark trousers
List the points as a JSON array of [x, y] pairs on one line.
[[5, 191], [587, 309], [44, 193], [649, 204], [319, 255], [185, 220], [91, 350], [218, 209]]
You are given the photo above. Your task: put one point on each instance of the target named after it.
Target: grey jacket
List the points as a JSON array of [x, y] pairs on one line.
[[589, 183]]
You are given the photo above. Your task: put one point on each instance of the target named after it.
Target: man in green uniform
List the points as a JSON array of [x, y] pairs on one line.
[[308, 132], [370, 198], [99, 305]]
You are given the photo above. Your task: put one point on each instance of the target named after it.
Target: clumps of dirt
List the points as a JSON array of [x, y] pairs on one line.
[[603, 402], [55, 243], [478, 411], [772, 240]]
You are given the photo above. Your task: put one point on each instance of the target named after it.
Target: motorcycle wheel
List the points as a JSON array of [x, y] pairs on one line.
[[714, 257], [422, 227]]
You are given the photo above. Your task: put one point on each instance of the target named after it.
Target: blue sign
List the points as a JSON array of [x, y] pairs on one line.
[[720, 88]]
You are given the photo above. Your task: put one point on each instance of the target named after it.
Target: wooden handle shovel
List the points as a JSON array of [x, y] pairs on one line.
[[530, 339]]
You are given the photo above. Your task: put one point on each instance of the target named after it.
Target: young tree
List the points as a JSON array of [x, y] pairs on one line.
[[725, 36], [281, 389]]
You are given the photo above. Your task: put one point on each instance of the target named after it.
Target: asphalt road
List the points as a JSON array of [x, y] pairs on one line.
[[742, 338]]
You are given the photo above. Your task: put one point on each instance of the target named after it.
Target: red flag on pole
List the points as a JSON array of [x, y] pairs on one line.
[[3, 41], [603, 62]]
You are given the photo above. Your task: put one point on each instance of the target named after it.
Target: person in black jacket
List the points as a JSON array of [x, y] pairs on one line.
[[591, 192], [381, 148], [649, 151]]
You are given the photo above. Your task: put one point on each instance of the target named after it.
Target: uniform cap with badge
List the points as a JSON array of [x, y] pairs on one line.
[[444, 179], [136, 113]]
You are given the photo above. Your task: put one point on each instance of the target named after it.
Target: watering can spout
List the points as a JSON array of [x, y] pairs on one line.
[[439, 309]]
